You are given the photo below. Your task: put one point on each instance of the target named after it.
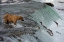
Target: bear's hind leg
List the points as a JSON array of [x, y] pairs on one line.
[[6, 22]]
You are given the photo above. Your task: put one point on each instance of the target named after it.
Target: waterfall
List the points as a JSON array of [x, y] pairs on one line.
[[39, 25]]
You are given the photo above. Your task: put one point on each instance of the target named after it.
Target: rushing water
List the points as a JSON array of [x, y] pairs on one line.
[[31, 30]]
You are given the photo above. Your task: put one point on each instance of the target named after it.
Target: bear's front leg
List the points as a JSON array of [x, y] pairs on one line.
[[14, 22]]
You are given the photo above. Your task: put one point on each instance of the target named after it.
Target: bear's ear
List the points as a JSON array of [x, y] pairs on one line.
[[19, 16]]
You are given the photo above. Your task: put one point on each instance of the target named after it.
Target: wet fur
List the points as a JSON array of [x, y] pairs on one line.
[[8, 18]]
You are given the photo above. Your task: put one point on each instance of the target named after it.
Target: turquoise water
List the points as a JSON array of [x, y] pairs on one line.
[[45, 15]]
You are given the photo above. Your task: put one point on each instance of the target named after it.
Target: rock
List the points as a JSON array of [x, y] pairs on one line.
[[58, 32], [50, 4], [6, 26], [50, 32], [1, 38]]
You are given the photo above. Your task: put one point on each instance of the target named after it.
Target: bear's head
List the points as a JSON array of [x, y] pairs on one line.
[[20, 18]]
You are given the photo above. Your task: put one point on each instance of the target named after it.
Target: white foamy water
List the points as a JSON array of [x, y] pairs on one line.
[[17, 25]]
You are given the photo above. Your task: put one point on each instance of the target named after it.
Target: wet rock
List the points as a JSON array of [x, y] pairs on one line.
[[19, 40], [60, 9], [18, 33], [29, 23], [50, 32], [58, 32], [2, 32], [50, 4], [38, 27], [61, 2], [1, 38], [8, 41], [6, 26], [56, 23], [26, 0], [43, 25], [12, 35]]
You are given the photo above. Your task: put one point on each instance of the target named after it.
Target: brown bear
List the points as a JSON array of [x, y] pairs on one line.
[[12, 18]]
